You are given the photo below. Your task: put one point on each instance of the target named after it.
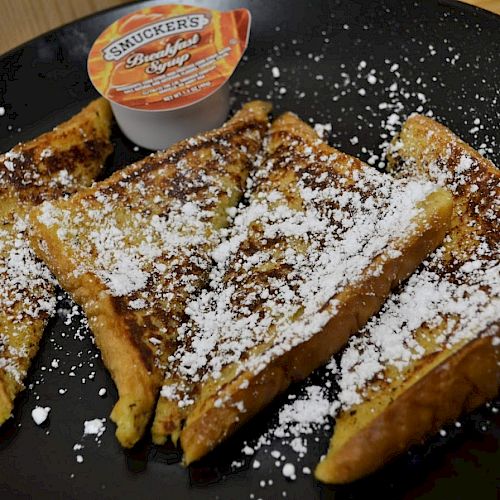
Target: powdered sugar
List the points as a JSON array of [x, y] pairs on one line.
[[297, 424], [250, 316], [148, 233], [303, 415], [455, 293], [289, 471], [50, 166], [323, 129], [26, 296], [94, 427], [40, 414], [426, 299]]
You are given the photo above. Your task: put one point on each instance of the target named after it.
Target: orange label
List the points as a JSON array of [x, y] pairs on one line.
[[169, 56]]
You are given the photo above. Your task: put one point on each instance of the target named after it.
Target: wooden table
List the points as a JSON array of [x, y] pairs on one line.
[[21, 20]]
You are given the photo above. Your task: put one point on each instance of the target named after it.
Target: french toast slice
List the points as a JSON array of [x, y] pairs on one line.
[[432, 352], [53, 165], [312, 256], [131, 250]]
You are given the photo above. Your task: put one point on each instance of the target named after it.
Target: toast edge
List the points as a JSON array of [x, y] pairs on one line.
[[421, 125], [135, 383], [6, 404], [469, 377]]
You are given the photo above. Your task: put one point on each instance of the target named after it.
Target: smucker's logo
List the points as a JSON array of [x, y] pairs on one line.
[[146, 34]]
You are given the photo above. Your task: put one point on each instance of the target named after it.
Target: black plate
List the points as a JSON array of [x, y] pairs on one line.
[[446, 51]]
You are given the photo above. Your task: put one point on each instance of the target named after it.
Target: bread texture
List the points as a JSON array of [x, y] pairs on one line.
[[310, 257], [51, 166], [432, 352], [134, 247]]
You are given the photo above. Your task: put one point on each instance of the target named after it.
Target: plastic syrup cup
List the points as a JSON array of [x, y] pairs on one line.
[[159, 129], [165, 70]]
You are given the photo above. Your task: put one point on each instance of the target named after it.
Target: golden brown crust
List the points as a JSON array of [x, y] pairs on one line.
[[76, 148], [457, 384], [56, 163], [208, 422], [123, 333], [427, 149], [6, 402], [447, 379], [133, 377]]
